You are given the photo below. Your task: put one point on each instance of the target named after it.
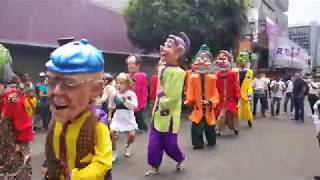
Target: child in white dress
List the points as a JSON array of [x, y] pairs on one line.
[[123, 101]]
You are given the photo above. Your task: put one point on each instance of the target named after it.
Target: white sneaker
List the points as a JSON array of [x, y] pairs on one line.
[[114, 156], [128, 151], [180, 166], [153, 171]]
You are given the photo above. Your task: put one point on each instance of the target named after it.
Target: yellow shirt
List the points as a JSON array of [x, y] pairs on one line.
[[101, 160]]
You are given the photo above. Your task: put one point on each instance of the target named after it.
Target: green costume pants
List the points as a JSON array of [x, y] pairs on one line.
[[197, 131]]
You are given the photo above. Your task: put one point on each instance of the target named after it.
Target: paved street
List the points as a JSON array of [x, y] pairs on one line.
[[273, 149]]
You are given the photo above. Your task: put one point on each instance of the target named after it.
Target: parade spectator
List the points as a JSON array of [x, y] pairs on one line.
[[277, 88], [122, 103], [44, 108], [288, 96], [31, 104], [312, 94], [260, 86], [299, 89], [140, 87], [104, 100]]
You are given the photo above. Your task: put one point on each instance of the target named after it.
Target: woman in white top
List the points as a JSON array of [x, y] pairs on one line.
[[123, 101], [316, 117], [312, 94]]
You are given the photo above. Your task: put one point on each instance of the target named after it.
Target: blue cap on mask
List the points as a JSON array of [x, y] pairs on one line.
[[76, 57]]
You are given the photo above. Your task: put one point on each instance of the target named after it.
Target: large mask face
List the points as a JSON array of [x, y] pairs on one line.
[[243, 59], [70, 95], [172, 50], [223, 61], [202, 62]]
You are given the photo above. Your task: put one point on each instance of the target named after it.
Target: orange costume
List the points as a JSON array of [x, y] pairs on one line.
[[202, 96], [194, 96]]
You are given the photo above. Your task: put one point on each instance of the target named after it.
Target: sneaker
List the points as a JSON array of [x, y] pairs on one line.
[[128, 151], [275, 117], [236, 132], [250, 124], [114, 156], [180, 166], [152, 172]]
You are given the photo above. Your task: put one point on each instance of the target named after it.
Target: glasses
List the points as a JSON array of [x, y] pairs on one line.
[[68, 83]]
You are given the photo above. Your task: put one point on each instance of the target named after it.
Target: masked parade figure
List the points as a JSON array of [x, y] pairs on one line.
[[78, 143], [15, 126], [245, 76], [202, 97], [229, 93], [167, 109]]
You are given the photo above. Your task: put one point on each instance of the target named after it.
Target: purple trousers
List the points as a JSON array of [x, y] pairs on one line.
[[160, 142]]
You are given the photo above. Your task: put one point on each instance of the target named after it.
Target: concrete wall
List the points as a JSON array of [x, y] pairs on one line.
[[31, 60]]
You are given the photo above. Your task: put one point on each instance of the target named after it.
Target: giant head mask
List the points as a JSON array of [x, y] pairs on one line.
[[75, 79], [202, 63], [243, 58], [223, 60]]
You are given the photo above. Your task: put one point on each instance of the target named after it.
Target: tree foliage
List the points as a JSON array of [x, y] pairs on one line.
[[217, 23]]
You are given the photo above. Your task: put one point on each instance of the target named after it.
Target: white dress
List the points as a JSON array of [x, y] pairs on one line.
[[123, 119]]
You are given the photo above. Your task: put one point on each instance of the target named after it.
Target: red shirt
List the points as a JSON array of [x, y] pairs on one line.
[[13, 109], [154, 85]]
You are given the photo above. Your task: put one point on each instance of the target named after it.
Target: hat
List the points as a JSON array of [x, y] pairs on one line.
[[76, 57], [186, 41], [42, 74], [6, 73], [203, 49]]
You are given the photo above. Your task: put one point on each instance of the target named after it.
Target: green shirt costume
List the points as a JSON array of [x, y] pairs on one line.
[[169, 99]]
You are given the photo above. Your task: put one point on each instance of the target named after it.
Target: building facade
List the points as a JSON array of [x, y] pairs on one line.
[[267, 20], [308, 37]]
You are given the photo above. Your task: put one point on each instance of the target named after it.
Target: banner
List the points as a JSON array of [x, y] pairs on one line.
[[273, 34], [290, 55]]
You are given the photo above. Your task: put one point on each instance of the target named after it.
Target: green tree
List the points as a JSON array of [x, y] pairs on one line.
[[218, 23]]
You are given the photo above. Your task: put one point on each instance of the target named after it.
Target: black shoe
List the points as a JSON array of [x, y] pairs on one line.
[[211, 144], [236, 132], [250, 124], [219, 134], [316, 177], [198, 147]]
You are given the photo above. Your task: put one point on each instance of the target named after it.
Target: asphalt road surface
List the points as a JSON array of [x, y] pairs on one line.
[[273, 149]]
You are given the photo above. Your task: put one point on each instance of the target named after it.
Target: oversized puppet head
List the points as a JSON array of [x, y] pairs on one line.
[[223, 60], [202, 63], [174, 49], [75, 79], [243, 59], [6, 73]]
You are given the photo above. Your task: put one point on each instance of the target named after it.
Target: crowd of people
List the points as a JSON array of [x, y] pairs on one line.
[[291, 90], [84, 109]]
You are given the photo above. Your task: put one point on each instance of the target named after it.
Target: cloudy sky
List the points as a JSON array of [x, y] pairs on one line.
[[303, 11]]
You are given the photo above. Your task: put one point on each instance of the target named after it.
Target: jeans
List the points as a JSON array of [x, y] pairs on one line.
[[299, 108], [286, 101], [273, 101], [263, 102]]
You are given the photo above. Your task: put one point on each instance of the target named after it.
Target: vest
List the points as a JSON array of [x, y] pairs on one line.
[[85, 145]]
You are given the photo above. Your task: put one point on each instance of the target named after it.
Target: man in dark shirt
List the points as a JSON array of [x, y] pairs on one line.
[[299, 88]]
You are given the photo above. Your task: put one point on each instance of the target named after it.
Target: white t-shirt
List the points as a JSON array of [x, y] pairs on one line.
[[289, 86], [277, 88], [260, 84]]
